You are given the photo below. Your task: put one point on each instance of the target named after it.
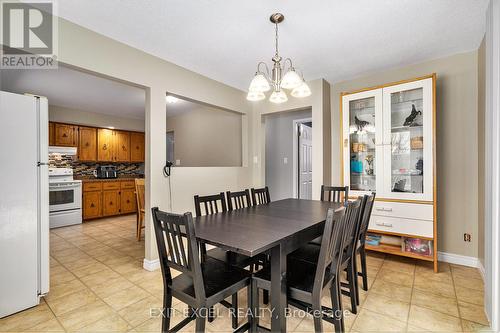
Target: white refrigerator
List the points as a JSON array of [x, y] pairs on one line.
[[24, 201]]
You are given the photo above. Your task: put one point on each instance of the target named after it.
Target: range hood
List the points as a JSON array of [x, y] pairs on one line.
[[62, 150]]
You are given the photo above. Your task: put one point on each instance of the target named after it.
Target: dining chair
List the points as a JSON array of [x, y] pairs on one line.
[[260, 196], [139, 197], [363, 230], [238, 200], [307, 282], [200, 285], [213, 204], [334, 193]]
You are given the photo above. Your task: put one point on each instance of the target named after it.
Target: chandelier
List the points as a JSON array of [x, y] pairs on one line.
[[263, 81]]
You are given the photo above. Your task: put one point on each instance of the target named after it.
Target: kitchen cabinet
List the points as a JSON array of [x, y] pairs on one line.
[[87, 144], [51, 134], [137, 147], [110, 202], [105, 145], [388, 136], [122, 146], [92, 204], [128, 201], [65, 135]]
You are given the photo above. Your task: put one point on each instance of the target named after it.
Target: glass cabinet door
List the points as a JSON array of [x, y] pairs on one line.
[[361, 137], [408, 140]]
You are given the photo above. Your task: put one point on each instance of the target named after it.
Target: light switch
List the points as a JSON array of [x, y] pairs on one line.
[[177, 162], [285, 160], [255, 160]]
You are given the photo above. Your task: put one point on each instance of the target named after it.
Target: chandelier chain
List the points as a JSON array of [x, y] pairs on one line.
[[276, 39]]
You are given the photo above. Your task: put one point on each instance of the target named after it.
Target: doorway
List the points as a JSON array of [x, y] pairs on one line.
[[303, 164]]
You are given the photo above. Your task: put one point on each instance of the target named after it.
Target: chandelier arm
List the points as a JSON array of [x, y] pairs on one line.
[[290, 65], [265, 67]]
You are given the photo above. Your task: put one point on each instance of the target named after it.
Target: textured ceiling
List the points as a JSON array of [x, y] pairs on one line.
[[332, 39]]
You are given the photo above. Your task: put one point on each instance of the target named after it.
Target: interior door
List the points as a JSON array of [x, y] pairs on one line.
[[305, 161], [408, 141]]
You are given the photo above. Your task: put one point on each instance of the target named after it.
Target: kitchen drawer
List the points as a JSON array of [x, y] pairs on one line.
[[92, 186], [111, 185], [404, 210], [402, 226], [128, 184]]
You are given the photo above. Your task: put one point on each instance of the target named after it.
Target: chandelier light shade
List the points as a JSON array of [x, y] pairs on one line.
[[264, 79], [278, 97]]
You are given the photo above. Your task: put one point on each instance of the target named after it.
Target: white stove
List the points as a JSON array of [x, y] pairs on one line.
[[65, 198]]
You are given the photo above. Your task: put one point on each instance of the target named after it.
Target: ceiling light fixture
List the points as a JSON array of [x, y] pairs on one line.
[[171, 99], [263, 81]]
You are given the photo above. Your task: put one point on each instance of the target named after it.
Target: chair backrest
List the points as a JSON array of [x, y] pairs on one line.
[[139, 193], [212, 204], [260, 196], [365, 217], [238, 200], [334, 193], [174, 237], [353, 210], [329, 253]]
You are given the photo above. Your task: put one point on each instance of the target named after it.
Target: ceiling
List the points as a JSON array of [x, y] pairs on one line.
[[331, 39]]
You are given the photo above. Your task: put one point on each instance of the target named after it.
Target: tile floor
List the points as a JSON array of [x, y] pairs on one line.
[[98, 285]]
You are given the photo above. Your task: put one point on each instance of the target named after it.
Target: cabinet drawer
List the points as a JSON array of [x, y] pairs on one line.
[[92, 186], [111, 185], [402, 226], [404, 210], [128, 184]]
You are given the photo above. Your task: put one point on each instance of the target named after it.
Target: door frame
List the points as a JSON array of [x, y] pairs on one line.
[[295, 155]]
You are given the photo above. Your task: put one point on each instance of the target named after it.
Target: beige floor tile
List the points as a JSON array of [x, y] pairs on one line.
[[99, 277], [399, 266], [111, 287], [139, 312], [63, 277], [27, 319], [51, 325], [126, 297], [85, 315], [400, 278], [433, 320], [89, 269], [470, 295], [113, 323], [466, 282], [438, 288], [472, 312], [465, 272], [72, 301], [63, 289], [371, 321], [435, 302], [397, 292], [470, 326], [387, 306]]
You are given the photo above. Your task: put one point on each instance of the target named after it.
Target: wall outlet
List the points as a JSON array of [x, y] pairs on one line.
[[255, 160], [467, 237], [285, 160], [177, 162]]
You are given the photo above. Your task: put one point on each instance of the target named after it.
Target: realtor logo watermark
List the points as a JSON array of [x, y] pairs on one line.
[[29, 35]]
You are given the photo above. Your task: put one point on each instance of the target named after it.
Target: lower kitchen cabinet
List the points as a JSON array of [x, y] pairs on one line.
[[111, 202], [92, 204], [128, 202]]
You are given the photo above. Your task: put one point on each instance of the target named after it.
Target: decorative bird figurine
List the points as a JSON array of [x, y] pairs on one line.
[[411, 118], [360, 124]]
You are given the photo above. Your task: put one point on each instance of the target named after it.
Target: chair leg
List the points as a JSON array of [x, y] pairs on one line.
[[234, 305], [336, 299], [138, 229], [265, 297], [167, 307], [317, 316], [364, 272], [352, 292], [253, 299], [210, 315], [354, 263], [200, 323]]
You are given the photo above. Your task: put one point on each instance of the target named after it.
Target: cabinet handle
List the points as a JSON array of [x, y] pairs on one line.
[[389, 225], [104, 147], [123, 147], [128, 201], [92, 205], [111, 203], [383, 209], [64, 135]]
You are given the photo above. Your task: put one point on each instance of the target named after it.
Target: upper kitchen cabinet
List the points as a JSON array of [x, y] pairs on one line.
[[87, 144], [52, 134], [105, 145], [65, 135], [122, 146], [136, 147]]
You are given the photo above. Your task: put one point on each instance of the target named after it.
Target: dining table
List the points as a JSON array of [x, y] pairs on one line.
[[276, 228]]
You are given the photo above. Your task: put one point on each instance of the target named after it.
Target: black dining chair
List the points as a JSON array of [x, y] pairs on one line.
[[238, 200], [307, 282], [200, 285], [334, 193], [260, 196], [363, 230]]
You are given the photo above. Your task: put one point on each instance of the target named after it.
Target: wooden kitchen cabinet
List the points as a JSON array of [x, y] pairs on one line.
[[65, 135], [87, 144], [92, 204], [137, 147], [128, 201], [105, 145], [122, 146], [110, 202], [52, 134]]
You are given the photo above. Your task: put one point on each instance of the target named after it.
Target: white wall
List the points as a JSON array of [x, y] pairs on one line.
[[279, 144]]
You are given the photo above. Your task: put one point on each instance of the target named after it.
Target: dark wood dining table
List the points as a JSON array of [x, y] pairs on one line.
[[277, 228]]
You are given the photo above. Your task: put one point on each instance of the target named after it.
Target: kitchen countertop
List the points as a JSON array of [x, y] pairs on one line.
[[120, 178]]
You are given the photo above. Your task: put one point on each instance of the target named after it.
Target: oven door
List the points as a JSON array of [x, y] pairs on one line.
[[65, 196]]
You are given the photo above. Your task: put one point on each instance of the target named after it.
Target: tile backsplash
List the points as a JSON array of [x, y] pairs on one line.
[[84, 169]]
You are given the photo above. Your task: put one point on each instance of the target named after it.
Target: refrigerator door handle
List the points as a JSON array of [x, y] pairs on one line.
[[41, 163]]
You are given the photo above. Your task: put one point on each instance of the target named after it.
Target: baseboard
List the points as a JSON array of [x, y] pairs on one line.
[[151, 265], [458, 259], [482, 271]]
